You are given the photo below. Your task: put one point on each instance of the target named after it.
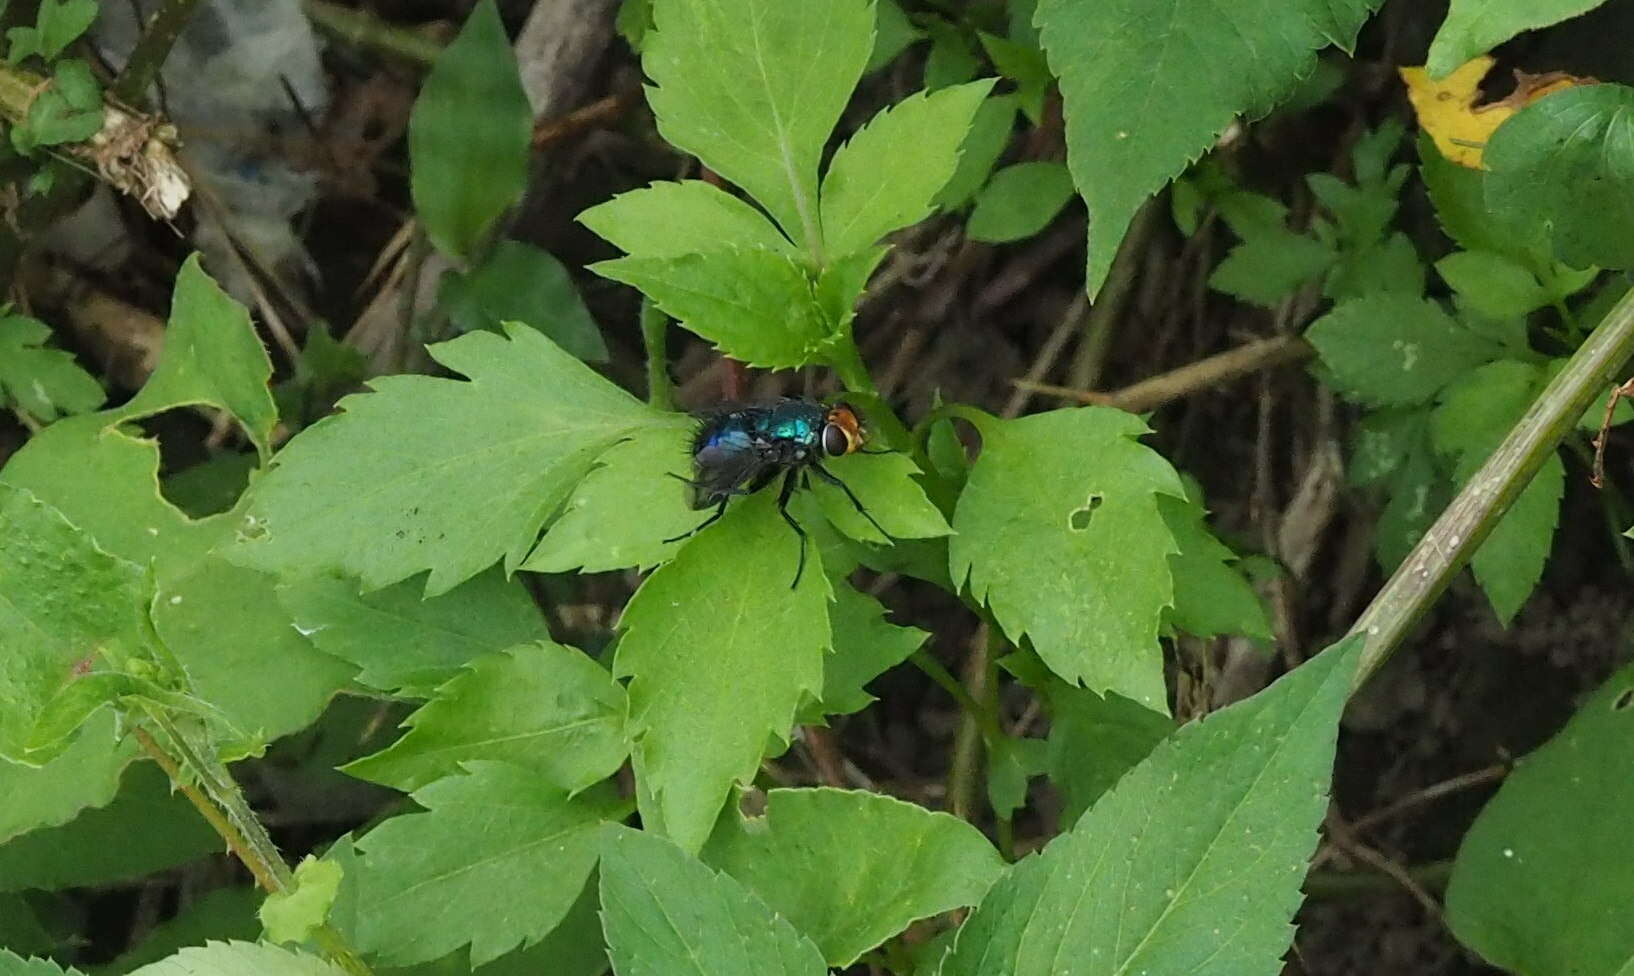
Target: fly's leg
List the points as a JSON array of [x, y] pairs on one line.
[[706, 523], [829, 477], [789, 481]]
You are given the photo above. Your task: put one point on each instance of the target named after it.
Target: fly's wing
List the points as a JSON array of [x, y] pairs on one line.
[[721, 469]]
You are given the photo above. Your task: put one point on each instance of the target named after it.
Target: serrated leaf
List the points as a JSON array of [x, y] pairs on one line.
[[1270, 265], [148, 827], [1492, 284], [952, 58], [1472, 418], [851, 869], [755, 305], [406, 644], [1475, 27], [1192, 862], [1418, 493], [211, 356], [866, 645], [526, 849], [720, 652], [989, 135], [1019, 201], [1211, 596], [1094, 740], [1072, 556], [887, 486], [518, 282], [893, 33], [1394, 349], [541, 706], [378, 494], [1148, 87], [1459, 197], [225, 913], [46, 383], [1024, 64], [741, 85], [469, 135], [68, 609], [292, 915], [1544, 877], [15, 965], [1569, 158], [595, 532], [240, 959], [667, 220], [667, 914], [1389, 265], [1012, 762], [887, 175]]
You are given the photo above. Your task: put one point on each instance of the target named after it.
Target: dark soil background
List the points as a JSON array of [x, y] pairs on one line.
[[1424, 744]]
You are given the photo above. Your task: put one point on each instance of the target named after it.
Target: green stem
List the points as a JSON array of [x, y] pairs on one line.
[[654, 324], [933, 669], [163, 27], [368, 31], [1465, 524], [1341, 884]]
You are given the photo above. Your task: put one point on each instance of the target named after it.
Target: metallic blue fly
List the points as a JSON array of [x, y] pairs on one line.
[[741, 449]]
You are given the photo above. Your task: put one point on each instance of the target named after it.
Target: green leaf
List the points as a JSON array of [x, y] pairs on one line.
[[893, 33], [211, 356], [521, 283], [1192, 862], [212, 486], [1459, 197], [1011, 763], [888, 174], [1148, 87], [1211, 596], [756, 306], [240, 959], [741, 85], [887, 486], [14, 965], [851, 869], [1543, 876], [1492, 284], [989, 135], [22, 930], [525, 851], [1389, 265], [1094, 740], [720, 652], [403, 643], [667, 914], [1418, 493], [377, 494], [69, 609], [1019, 201], [469, 136], [60, 23], [952, 59], [866, 645], [1072, 556], [1024, 64], [292, 915], [1569, 157], [85, 775], [68, 110], [1271, 265], [595, 532], [667, 220], [1474, 27], [148, 827], [45, 383], [543, 707], [1472, 418], [1394, 349]]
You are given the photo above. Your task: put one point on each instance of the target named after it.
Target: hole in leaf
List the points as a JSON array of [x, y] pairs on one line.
[[1078, 521], [1623, 700]]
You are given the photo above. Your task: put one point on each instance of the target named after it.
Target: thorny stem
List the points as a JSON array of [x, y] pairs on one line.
[[368, 31], [1465, 524], [151, 50], [223, 806], [654, 323]]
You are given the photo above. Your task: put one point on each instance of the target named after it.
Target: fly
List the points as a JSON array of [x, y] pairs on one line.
[[742, 449]]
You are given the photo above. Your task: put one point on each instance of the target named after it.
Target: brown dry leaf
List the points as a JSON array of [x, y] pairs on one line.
[[1447, 109]]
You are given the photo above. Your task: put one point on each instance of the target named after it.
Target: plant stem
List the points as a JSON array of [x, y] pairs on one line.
[[368, 31], [1107, 307], [1341, 884], [149, 56], [1460, 530], [654, 324], [944, 679]]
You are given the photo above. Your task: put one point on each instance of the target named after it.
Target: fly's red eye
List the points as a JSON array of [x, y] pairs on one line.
[[836, 441]]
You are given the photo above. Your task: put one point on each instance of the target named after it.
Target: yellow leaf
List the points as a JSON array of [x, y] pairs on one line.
[[1448, 109]]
